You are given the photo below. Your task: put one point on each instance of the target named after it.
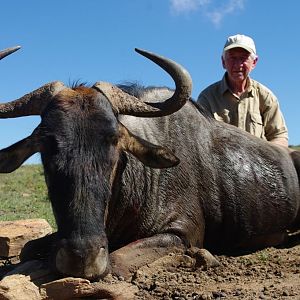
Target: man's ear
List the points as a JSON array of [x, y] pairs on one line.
[[254, 62], [13, 156], [223, 61], [151, 155]]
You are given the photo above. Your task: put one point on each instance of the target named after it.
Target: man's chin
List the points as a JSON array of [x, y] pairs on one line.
[[238, 77]]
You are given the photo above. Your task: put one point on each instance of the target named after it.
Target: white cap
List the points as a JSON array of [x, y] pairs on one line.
[[240, 41]]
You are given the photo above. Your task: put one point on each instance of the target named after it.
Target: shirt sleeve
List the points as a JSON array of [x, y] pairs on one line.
[[273, 120]]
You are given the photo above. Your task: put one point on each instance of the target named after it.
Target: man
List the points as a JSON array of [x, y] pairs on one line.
[[241, 101]]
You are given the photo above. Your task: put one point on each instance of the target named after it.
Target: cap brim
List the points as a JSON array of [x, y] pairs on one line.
[[238, 46]]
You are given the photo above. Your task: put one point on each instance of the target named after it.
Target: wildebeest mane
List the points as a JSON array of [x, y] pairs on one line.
[[137, 90], [77, 83]]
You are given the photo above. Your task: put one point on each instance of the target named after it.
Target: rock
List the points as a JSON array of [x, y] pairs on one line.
[[69, 288], [18, 287], [28, 287], [65, 288], [15, 234]]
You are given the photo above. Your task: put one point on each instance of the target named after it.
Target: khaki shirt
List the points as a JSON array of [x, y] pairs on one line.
[[256, 111]]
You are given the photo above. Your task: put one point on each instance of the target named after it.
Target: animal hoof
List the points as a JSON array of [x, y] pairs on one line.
[[203, 257]]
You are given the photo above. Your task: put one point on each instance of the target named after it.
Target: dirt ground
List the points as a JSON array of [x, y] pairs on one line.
[[268, 274], [272, 273]]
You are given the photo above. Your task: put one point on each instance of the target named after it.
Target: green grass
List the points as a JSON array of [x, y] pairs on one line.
[[295, 147], [23, 195]]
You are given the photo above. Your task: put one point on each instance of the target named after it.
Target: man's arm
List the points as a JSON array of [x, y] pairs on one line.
[[280, 141], [274, 123]]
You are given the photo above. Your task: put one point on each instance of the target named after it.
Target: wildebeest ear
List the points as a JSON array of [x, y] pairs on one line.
[[149, 154], [13, 156]]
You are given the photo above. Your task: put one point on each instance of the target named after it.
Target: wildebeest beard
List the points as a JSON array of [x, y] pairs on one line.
[[81, 192], [78, 165]]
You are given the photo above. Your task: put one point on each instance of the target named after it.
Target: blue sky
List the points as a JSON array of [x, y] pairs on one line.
[[94, 40]]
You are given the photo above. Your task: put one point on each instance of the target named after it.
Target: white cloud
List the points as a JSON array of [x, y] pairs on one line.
[[212, 9], [218, 14], [185, 6]]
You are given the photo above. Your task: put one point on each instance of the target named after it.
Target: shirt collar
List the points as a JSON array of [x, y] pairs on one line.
[[225, 87]]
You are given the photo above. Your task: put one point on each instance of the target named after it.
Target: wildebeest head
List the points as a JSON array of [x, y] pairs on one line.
[[80, 140]]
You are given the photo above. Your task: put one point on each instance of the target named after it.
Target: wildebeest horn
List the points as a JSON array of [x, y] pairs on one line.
[[8, 51], [129, 105], [32, 103]]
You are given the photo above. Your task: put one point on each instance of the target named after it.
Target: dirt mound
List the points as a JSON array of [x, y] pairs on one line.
[[268, 274]]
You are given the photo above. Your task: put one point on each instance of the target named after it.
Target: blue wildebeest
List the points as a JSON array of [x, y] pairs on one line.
[[111, 187]]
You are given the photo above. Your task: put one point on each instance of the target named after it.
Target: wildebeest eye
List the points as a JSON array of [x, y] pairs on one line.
[[112, 139]]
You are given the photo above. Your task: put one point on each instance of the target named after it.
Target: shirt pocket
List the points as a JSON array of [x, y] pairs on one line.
[[256, 125]]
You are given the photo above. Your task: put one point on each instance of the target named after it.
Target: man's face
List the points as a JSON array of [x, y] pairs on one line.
[[238, 63]]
